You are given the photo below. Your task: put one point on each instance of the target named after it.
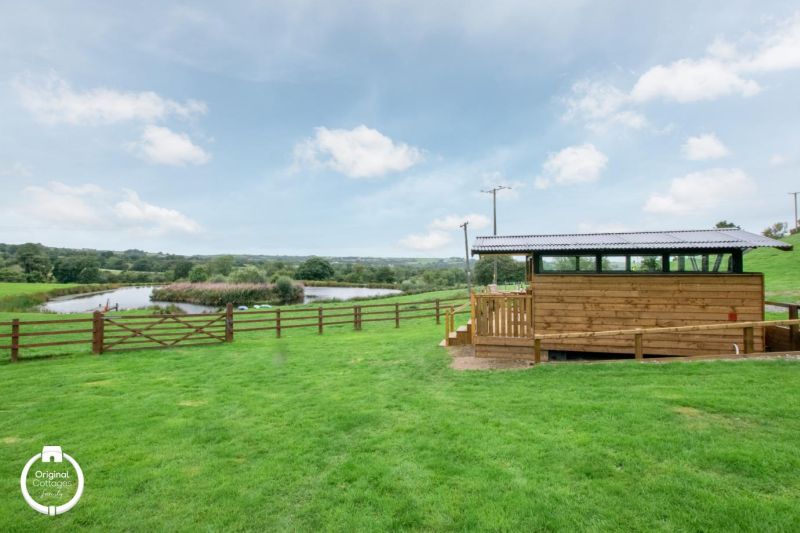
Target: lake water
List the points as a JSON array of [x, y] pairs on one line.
[[139, 297]]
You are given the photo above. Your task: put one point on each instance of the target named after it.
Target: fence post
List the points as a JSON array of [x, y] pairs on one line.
[[15, 340], [537, 351], [360, 318], [438, 321], [794, 338], [355, 318], [748, 340], [98, 327], [452, 318], [278, 322], [229, 323], [638, 341], [320, 320], [397, 315]]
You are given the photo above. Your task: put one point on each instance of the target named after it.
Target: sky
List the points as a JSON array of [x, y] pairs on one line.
[[371, 128]]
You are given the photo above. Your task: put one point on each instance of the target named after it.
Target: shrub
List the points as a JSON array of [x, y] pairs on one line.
[[219, 294], [248, 274], [198, 274]]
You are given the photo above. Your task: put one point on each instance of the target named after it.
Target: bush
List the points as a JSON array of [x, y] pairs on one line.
[[248, 274], [315, 268], [219, 294], [198, 274]]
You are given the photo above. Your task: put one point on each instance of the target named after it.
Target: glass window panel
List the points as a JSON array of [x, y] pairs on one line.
[[645, 263], [558, 263], [720, 263], [587, 263], [686, 263], [613, 263]]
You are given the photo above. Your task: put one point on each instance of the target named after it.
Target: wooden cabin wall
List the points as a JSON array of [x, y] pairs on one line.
[[597, 302]]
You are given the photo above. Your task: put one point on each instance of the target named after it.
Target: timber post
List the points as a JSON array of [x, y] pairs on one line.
[[794, 337], [319, 319], [278, 322], [397, 315], [638, 340], [15, 340], [748, 339], [537, 351], [438, 321], [97, 332], [229, 322]]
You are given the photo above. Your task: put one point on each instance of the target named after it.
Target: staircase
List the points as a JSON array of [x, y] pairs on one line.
[[461, 336]]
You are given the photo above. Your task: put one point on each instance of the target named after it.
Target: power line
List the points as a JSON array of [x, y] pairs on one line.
[[493, 192]]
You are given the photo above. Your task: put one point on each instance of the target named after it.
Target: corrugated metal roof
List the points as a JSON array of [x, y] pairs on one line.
[[644, 240]]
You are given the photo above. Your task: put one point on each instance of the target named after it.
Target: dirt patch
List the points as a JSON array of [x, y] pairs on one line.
[[463, 358], [99, 383], [10, 440], [192, 403], [698, 419]]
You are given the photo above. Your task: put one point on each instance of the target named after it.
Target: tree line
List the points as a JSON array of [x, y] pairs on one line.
[[32, 262]]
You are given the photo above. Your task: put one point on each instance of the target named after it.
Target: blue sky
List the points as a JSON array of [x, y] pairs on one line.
[[370, 128]]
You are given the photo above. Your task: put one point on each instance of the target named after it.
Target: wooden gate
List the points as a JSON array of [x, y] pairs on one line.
[[504, 325], [111, 333]]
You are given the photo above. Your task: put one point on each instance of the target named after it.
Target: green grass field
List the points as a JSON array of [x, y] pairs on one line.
[[372, 430], [781, 270], [17, 289]]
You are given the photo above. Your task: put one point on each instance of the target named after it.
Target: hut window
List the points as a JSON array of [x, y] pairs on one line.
[[587, 263], [613, 263], [559, 263], [646, 263], [701, 263]]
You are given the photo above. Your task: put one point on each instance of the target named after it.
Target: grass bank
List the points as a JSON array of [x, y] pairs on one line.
[[372, 430], [26, 297]]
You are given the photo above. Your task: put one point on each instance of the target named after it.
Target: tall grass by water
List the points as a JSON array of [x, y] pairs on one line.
[[220, 294]]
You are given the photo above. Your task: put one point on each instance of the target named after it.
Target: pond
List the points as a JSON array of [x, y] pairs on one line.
[[139, 297]]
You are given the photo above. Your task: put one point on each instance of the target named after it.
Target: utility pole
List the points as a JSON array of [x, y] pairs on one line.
[[796, 224], [493, 192], [466, 257]]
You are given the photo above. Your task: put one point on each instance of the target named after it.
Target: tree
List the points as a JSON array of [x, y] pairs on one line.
[[722, 224], [69, 269], [776, 231], [508, 270], [248, 274], [198, 274], [143, 264], [315, 268], [287, 291], [33, 260], [181, 269], [384, 274], [222, 264]]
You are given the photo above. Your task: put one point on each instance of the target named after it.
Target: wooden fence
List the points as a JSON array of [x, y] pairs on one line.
[[105, 332]]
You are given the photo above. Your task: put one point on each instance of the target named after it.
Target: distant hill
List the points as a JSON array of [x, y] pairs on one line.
[[781, 269]]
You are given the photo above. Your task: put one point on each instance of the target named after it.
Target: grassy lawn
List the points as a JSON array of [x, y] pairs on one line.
[[18, 289], [781, 270], [372, 430]]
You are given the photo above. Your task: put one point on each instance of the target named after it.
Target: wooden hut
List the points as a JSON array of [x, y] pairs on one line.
[[622, 281]]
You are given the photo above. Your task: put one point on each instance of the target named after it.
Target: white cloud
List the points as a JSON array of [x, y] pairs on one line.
[[573, 165], [358, 153], [703, 191], [601, 105], [151, 217], [703, 147], [163, 146], [689, 80], [779, 50], [451, 222], [440, 232], [63, 205], [427, 242], [52, 100], [608, 227], [90, 207]]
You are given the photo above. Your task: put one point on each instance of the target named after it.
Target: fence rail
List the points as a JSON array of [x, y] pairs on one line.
[[115, 332]]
